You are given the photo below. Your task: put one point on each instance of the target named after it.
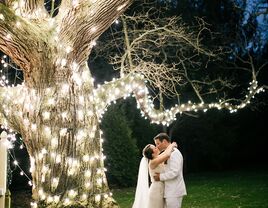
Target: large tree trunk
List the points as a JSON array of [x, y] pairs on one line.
[[56, 110], [60, 128]]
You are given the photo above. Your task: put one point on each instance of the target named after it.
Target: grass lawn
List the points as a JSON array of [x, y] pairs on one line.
[[216, 190]]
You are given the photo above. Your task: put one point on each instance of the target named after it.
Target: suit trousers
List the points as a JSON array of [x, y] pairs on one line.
[[173, 202]]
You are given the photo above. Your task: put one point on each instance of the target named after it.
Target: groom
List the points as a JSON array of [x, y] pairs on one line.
[[172, 176]]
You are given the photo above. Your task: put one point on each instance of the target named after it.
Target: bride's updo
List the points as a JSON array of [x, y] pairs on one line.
[[148, 152]]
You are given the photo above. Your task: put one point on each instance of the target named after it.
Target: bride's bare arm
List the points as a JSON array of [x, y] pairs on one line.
[[163, 156]]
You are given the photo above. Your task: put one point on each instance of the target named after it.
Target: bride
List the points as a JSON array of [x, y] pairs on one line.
[[152, 197]]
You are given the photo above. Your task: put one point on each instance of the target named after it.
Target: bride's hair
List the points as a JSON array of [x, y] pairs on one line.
[[148, 152]]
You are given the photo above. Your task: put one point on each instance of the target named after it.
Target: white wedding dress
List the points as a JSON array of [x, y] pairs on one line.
[[145, 196], [156, 191]]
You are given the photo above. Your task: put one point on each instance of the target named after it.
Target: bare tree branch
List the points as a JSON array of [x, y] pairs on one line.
[[81, 24], [161, 50], [170, 56]]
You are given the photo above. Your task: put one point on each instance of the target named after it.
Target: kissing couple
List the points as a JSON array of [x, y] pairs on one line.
[[165, 169]]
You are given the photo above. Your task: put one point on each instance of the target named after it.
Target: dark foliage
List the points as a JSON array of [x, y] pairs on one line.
[[218, 140], [120, 148]]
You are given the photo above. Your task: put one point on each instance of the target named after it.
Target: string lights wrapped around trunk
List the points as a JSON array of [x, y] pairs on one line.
[[58, 109]]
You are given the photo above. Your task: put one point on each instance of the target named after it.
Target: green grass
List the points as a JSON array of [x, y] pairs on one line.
[[216, 190]]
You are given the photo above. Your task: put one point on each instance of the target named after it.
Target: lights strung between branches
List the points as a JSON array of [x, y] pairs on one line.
[[104, 95], [135, 85]]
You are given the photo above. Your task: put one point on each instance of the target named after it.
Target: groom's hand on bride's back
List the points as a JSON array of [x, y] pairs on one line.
[[157, 177]]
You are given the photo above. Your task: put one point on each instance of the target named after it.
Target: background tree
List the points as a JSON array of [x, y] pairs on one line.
[[142, 129], [120, 147]]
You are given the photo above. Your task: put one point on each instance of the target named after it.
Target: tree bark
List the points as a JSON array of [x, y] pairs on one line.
[[64, 143], [55, 110]]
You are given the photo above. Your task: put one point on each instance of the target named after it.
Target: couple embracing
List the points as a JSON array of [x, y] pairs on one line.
[[167, 184]]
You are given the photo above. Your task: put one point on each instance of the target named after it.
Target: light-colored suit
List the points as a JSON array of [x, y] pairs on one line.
[[173, 176]]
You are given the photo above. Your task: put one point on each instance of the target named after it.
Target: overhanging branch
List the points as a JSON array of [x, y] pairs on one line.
[[135, 84], [109, 92], [166, 117]]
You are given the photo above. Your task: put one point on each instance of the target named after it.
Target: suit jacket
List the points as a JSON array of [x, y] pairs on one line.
[[173, 177]]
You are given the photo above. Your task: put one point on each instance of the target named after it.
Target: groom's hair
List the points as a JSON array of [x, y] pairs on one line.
[[162, 136]]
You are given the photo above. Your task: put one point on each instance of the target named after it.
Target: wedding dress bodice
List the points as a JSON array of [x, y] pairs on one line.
[[158, 169]]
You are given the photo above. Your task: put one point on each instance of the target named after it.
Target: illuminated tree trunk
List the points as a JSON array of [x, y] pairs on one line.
[[61, 131], [60, 127], [56, 110]]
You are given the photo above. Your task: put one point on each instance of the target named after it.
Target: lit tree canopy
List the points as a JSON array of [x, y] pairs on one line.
[[58, 108]]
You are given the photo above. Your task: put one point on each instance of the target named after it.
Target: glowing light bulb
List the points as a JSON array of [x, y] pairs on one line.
[[56, 199], [87, 185], [54, 142], [63, 62], [8, 36], [67, 201], [98, 197], [2, 17], [84, 196], [69, 49], [88, 173], [93, 29]]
